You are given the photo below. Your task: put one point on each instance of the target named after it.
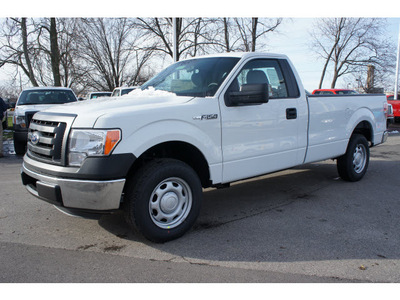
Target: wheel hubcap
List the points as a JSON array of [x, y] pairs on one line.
[[359, 158], [170, 203]]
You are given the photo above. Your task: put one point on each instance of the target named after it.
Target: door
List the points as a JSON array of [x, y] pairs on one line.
[[258, 139]]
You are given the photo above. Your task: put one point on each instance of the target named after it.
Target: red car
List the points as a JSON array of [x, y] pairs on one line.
[[334, 92], [395, 105]]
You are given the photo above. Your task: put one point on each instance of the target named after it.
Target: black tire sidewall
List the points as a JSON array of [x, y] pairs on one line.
[[19, 147], [145, 182], [345, 163]]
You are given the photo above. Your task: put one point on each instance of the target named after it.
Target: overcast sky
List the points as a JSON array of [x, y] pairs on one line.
[[293, 38]]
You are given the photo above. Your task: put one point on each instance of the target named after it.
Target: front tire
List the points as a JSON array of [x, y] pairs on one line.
[[163, 200], [19, 147], [353, 165]]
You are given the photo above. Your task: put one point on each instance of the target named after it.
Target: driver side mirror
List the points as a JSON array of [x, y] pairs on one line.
[[250, 94]]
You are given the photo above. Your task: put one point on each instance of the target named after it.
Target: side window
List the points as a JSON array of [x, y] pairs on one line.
[[261, 71]]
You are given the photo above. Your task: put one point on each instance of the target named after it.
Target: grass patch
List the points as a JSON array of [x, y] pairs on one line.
[[8, 133]]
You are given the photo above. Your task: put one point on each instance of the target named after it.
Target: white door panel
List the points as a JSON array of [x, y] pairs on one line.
[[262, 138], [258, 139]]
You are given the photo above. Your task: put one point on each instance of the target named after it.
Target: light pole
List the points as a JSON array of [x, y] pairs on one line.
[[175, 44], [396, 85]]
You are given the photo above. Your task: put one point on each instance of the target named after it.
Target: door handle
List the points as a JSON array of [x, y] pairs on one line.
[[291, 113]]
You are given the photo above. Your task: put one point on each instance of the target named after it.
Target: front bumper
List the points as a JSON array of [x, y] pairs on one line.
[[96, 195]]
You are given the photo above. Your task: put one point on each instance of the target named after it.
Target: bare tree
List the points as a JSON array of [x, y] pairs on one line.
[[47, 40], [43, 49], [223, 35], [351, 44], [251, 30], [71, 74], [19, 48], [10, 91], [108, 48], [191, 35], [240, 34]]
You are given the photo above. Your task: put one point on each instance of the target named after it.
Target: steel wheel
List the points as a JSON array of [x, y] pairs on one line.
[[359, 158], [163, 199], [353, 165], [170, 203]]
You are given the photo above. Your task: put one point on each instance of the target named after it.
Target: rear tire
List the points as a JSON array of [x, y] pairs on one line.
[[163, 200], [353, 165]]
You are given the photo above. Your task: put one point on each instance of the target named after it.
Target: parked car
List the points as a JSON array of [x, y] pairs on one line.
[[396, 106], [120, 91], [95, 95], [334, 92], [202, 122], [29, 102]]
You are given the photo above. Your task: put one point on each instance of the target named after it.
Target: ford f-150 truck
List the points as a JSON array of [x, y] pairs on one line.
[[29, 102], [202, 122]]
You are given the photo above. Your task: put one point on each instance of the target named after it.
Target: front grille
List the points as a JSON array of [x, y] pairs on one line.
[[47, 137], [28, 117]]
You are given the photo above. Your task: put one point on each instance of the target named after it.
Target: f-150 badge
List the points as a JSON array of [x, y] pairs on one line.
[[206, 117]]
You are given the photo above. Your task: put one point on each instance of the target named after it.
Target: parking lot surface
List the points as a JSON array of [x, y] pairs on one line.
[[300, 225]]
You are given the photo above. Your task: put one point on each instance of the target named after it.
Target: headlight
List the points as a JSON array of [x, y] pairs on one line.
[[84, 143], [19, 120]]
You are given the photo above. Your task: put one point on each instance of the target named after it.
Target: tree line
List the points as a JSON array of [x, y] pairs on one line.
[[351, 46], [103, 53]]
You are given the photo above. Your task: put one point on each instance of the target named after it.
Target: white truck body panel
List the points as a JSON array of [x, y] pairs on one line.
[[243, 141], [237, 142], [334, 118], [259, 139]]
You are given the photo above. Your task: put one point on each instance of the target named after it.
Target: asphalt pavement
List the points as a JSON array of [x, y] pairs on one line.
[[300, 225]]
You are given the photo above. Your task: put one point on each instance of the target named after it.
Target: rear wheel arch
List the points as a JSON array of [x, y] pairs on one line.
[[364, 128]]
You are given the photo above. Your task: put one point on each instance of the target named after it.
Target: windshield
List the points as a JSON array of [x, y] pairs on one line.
[[126, 91], [98, 95], [32, 97], [197, 77]]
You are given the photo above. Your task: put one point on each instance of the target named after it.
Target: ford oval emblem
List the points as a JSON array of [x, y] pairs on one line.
[[35, 138]]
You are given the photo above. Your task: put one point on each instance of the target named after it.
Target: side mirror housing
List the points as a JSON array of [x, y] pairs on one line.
[[250, 94]]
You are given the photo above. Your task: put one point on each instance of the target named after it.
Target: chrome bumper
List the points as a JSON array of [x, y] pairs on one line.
[[73, 193]]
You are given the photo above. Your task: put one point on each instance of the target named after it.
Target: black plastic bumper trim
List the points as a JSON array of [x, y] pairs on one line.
[[111, 167]]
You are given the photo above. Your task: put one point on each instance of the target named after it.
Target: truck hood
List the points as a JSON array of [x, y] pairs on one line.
[[89, 111], [22, 109]]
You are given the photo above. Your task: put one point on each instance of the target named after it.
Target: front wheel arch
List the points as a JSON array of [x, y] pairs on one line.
[[178, 150]]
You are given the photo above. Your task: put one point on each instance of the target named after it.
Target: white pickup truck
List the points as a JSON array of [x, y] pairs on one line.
[[202, 122]]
